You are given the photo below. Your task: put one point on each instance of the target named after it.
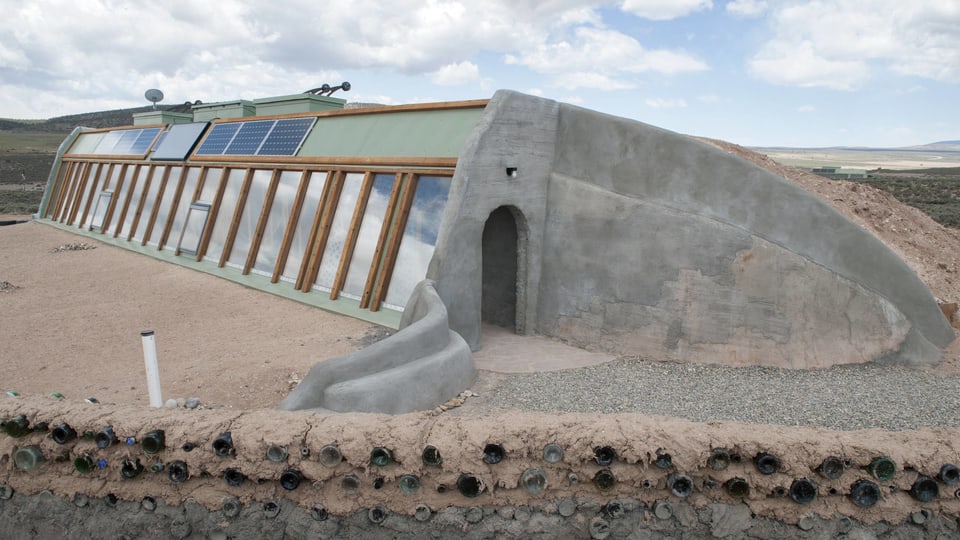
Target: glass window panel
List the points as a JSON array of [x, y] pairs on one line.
[[137, 192], [86, 143], [298, 243], [193, 228], [122, 191], [338, 231], [277, 221], [183, 206], [70, 193], [100, 210], [249, 138], [368, 236], [107, 143], [166, 203], [248, 221], [228, 204], [210, 185], [152, 193], [419, 239], [95, 177], [107, 174]]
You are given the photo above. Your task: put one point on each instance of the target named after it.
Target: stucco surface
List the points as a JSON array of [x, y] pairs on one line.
[[638, 240]]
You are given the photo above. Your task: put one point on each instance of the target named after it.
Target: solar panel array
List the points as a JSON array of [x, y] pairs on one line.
[[127, 141], [257, 138]]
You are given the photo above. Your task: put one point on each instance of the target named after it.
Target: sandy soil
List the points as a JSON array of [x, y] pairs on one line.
[[72, 325]]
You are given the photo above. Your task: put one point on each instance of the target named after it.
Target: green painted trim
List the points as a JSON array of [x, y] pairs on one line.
[[342, 306], [427, 134]]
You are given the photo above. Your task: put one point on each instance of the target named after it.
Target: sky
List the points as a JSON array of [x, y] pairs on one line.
[[800, 73]]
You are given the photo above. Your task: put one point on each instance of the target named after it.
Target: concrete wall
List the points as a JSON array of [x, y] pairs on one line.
[[419, 367], [642, 241]]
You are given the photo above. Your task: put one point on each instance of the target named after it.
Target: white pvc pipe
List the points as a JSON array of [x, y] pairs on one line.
[[153, 370]]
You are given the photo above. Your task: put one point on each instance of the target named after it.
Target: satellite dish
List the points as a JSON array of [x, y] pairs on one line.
[[153, 95]]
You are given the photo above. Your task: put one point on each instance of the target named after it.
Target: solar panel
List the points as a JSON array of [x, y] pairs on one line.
[[177, 142], [286, 137], [127, 138], [248, 139], [218, 139], [143, 140]]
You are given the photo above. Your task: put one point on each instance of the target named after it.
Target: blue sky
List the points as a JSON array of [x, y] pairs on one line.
[[881, 73]]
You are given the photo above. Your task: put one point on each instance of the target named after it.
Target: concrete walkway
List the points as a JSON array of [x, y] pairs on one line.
[[503, 351]]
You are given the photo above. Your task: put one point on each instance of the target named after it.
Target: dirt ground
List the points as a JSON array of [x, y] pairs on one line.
[[71, 323]]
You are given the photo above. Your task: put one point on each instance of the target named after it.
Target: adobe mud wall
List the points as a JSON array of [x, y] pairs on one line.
[[569, 500]]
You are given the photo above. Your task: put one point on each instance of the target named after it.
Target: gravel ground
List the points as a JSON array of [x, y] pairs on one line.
[[839, 398]]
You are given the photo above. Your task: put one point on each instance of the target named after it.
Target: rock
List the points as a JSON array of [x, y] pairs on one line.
[[171, 404], [729, 520], [567, 508], [599, 528], [192, 402], [685, 514], [806, 523], [861, 533], [506, 512], [918, 517], [474, 514]]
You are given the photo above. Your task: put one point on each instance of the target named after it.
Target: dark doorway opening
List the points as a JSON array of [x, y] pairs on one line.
[[499, 295]]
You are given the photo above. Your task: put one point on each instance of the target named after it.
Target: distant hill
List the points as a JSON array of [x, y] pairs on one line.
[[65, 124]]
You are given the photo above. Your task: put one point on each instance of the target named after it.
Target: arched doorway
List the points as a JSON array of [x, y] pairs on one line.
[[500, 257]]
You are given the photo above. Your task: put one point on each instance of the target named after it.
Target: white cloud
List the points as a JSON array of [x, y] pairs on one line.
[[709, 98], [661, 10], [455, 74], [747, 8], [806, 109], [839, 44], [602, 58], [665, 103]]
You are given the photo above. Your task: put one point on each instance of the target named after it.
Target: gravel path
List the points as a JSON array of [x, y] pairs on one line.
[[839, 398]]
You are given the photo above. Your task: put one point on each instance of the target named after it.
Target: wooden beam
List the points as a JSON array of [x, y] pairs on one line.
[[173, 207], [66, 174], [93, 188], [328, 207], [237, 214], [71, 204], [156, 205], [126, 203], [393, 249], [143, 197], [381, 240], [66, 189], [212, 215], [350, 242], [108, 216], [292, 222], [262, 222]]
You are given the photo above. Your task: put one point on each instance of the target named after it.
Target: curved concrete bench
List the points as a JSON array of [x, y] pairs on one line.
[[421, 366]]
